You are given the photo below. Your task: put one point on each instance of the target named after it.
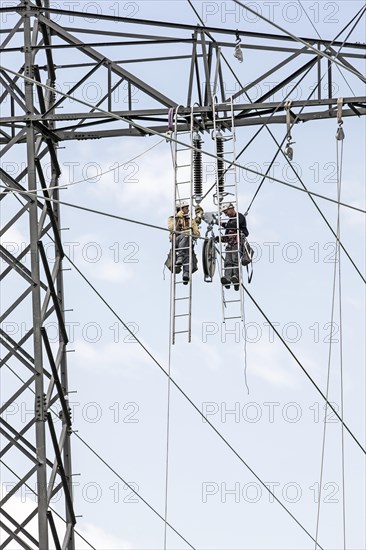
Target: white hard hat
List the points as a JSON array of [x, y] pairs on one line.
[[182, 204], [226, 205]]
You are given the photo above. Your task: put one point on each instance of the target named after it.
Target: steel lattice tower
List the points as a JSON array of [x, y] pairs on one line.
[[33, 126]]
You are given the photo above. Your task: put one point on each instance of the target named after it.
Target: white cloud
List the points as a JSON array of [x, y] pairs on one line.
[[98, 259], [13, 236], [107, 270], [99, 538], [126, 357], [266, 362], [142, 184]]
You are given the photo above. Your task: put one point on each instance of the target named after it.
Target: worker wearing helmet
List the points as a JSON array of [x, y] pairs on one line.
[[181, 225], [231, 267]]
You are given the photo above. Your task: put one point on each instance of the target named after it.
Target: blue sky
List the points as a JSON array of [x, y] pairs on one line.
[[120, 407]]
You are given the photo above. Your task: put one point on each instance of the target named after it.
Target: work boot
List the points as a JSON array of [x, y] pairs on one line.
[[225, 282], [185, 279], [235, 282]]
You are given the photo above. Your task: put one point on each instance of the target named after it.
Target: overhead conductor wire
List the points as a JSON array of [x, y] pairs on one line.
[[166, 492]]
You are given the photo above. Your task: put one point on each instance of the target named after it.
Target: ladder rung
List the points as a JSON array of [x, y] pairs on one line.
[[181, 182], [183, 149], [231, 301], [183, 165], [184, 298], [237, 317], [180, 331], [182, 315]]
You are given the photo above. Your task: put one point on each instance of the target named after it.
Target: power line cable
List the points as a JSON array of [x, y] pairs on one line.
[[328, 403], [336, 269], [339, 149], [130, 487], [345, 205]]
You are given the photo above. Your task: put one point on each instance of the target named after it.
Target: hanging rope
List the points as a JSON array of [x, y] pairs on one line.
[[339, 147], [170, 119], [339, 153], [289, 152], [168, 415], [340, 132], [245, 346], [238, 51]]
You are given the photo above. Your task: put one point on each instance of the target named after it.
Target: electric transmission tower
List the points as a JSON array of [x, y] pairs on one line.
[[40, 50]]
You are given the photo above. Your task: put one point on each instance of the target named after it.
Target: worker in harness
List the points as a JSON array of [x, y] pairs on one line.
[[231, 264], [183, 226]]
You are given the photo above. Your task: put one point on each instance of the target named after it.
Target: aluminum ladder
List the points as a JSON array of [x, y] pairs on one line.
[[181, 294], [227, 192]]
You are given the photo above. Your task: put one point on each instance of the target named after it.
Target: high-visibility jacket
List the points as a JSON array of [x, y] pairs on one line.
[[183, 225]]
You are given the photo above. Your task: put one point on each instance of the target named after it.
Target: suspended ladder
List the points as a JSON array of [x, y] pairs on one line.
[[226, 192], [187, 170]]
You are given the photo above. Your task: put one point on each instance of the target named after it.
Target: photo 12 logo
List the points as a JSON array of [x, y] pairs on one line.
[[253, 492], [252, 12]]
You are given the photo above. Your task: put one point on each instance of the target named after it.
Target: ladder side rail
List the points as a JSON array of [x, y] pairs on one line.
[[218, 201]]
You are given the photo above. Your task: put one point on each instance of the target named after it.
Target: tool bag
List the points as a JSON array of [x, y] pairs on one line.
[[247, 253], [178, 268]]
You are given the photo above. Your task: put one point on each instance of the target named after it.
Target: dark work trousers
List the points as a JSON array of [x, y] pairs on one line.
[[231, 268], [182, 251]]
